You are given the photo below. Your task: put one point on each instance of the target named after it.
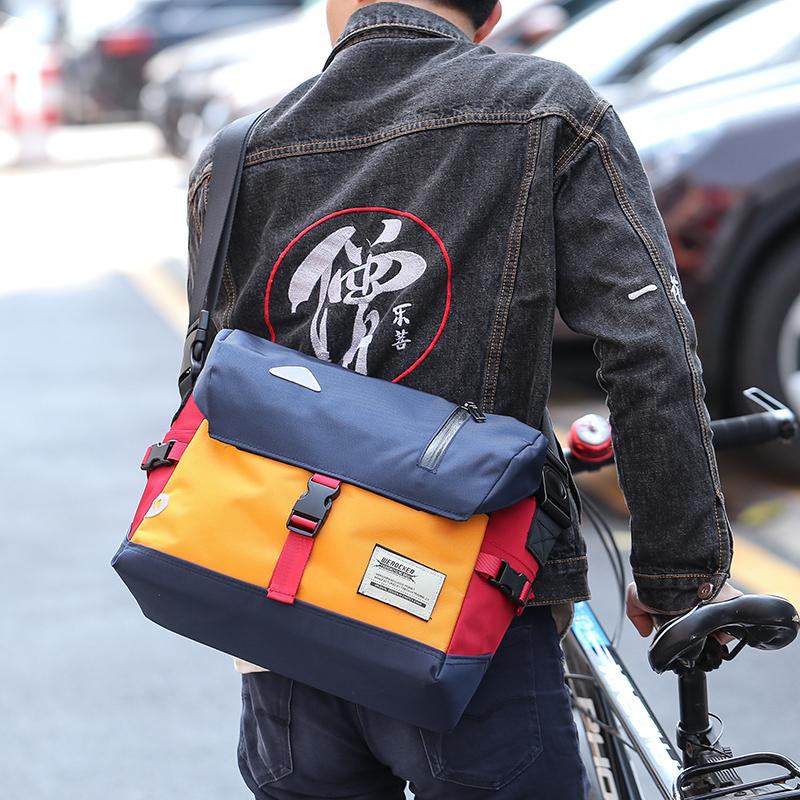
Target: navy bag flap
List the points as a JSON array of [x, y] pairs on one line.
[[405, 444]]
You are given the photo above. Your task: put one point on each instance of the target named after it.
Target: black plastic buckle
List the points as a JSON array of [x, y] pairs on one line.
[[511, 583], [193, 353], [311, 509], [553, 496], [158, 456]]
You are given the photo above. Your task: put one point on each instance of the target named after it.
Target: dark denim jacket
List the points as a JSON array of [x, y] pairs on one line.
[[418, 211]]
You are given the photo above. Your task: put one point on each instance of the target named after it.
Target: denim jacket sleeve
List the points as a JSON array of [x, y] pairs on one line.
[[617, 282]]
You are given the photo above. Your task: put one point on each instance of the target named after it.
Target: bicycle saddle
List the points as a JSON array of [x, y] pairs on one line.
[[766, 622]]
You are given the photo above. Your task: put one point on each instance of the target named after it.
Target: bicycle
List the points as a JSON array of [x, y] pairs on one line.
[[617, 722]]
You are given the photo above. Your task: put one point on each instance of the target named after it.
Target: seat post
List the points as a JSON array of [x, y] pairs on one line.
[[694, 724]]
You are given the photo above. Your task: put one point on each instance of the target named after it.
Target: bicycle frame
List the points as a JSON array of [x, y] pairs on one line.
[[608, 698]]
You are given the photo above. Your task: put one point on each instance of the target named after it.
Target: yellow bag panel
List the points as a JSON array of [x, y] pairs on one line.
[[226, 510]]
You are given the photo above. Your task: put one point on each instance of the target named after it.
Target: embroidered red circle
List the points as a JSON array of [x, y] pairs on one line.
[[362, 284]]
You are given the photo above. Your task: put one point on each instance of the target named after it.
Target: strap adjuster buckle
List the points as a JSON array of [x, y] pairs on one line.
[[553, 496], [515, 585], [157, 455], [311, 509], [194, 348]]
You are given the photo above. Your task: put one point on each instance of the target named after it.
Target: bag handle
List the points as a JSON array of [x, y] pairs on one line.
[[223, 191]]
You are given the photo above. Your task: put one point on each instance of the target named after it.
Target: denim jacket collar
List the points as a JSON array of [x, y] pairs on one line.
[[394, 19]]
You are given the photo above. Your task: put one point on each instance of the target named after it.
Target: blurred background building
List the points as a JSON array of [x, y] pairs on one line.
[[104, 106]]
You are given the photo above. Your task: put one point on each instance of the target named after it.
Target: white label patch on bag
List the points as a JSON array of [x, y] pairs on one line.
[[401, 582]]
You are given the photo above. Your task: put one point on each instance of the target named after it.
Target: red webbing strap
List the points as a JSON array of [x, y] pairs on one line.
[[487, 565], [178, 449], [291, 563], [290, 567], [491, 567]]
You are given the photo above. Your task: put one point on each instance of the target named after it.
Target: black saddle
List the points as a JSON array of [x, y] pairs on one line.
[[766, 622]]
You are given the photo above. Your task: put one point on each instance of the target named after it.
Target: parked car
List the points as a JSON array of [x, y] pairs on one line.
[[290, 52], [177, 79], [759, 34], [524, 25], [614, 41], [104, 76], [724, 162]]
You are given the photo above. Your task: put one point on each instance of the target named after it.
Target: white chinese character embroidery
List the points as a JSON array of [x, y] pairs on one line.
[[372, 274], [399, 312], [676, 290], [401, 340]]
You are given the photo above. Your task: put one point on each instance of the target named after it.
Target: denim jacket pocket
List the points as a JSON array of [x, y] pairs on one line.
[[471, 756]]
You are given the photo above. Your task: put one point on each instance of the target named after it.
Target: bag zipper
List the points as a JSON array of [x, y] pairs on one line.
[[434, 452]]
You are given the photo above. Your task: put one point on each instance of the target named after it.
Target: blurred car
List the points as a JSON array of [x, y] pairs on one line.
[[290, 52], [759, 34], [724, 162], [614, 41], [104, 76], [526, 24], [177, 80]]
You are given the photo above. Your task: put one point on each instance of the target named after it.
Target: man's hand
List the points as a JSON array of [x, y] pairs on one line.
[[642, 616]]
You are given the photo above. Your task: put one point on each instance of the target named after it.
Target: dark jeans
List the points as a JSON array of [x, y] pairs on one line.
[[516, 741]]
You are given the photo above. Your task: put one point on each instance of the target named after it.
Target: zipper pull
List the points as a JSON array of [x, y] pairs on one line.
[[474, 411]]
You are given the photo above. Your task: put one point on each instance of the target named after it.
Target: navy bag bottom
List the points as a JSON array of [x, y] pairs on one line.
[[357, 662]]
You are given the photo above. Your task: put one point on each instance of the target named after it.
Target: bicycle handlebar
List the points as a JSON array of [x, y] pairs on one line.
[[589, 444], [768, 426]]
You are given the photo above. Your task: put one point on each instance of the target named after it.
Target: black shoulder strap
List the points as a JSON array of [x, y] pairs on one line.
[[223, 191]]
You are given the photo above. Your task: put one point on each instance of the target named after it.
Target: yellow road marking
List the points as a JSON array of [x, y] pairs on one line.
[[163, 294], [755, 569]]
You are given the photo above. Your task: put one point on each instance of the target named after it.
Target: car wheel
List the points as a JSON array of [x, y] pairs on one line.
[[769, 346]]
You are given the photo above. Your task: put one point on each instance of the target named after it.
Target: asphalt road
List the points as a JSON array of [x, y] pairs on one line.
[[95, 701]]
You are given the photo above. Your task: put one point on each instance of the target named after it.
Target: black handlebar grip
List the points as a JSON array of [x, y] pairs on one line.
[[751, 429]]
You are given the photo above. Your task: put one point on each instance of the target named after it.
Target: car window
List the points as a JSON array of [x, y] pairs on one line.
[[575, 7], [762, 33], [661, 52], [603, 40]]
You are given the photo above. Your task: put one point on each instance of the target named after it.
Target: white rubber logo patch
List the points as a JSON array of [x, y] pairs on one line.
[[401, 582], [158, 505], [302, 376]]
